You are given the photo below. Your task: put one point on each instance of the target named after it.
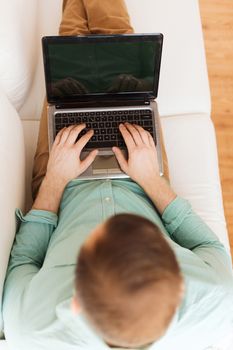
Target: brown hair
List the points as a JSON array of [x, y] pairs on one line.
[[129, 282]]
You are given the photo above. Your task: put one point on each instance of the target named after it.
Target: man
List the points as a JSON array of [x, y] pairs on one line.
[[149, 272]]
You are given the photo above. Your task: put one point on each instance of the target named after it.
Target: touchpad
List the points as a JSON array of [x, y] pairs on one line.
[[105, 164]]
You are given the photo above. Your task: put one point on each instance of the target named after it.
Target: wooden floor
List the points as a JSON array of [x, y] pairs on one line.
[[217, 19]]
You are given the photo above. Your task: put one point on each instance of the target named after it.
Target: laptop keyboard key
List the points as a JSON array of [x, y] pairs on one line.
[[121, 144], [104, 144], [146, 116], [147, 123]]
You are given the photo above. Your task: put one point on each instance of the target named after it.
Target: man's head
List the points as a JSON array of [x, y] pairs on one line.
[[128, 282]]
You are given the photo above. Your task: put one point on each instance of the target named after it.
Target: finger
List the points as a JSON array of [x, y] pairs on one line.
[[120, 158], [143, 134], [58, 137], [135, 134], [89, 160], [75, 131], [151, 140], [129, 141], [65, 134], [84, 140]]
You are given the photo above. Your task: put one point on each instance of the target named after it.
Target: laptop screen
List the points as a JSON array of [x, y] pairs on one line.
[[77, 67]]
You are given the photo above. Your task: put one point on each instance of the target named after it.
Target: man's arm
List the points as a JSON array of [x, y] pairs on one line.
[[37, 227], [191, 232], [183, 225], [142, 165], [64, 165]]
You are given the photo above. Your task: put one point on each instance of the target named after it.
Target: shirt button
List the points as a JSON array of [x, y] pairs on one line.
[[107, 199]]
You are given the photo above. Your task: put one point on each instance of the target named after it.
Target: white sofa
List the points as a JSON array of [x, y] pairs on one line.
[[184, 105]]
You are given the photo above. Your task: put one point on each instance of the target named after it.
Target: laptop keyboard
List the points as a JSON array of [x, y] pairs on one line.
[[105, 125]]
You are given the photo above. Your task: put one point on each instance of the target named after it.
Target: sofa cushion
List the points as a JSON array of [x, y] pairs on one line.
[[12, 180], [193, 163], [184, 84]]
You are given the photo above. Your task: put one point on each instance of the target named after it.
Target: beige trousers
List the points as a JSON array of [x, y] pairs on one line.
[[83, 17]]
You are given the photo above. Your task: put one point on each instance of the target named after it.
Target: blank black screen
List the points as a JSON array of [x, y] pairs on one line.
[[87, 68]]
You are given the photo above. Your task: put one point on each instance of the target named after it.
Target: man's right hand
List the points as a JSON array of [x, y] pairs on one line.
[[142, 164]]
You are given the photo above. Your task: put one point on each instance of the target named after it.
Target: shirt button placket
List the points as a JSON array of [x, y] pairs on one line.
[[108, 204]]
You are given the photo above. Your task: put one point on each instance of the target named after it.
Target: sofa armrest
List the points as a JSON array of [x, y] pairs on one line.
[[12, 180], [18, 50]]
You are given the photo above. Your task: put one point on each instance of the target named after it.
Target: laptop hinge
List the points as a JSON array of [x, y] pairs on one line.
[[104, 103]]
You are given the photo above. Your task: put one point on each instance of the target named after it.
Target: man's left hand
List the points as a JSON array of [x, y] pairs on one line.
[[64, 162], [64, 165]]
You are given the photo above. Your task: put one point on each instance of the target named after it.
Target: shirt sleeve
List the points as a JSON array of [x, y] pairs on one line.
[[26, 259], [188, 230], [29, 248], [32, 239]]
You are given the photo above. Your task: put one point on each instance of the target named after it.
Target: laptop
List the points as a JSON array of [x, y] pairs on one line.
[[103, 80]]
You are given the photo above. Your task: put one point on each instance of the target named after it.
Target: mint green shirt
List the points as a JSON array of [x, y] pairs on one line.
[[40, 278]]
